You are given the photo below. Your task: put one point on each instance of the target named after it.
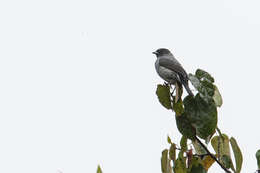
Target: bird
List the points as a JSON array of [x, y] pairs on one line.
[[170, 70]]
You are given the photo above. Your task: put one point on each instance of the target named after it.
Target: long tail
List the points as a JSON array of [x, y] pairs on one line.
[[186, 86]]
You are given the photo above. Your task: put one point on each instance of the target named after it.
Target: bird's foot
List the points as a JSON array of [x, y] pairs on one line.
[[166, 84]]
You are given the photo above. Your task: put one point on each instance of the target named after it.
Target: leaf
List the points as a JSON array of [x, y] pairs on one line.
[[179, 166], [221, 145], [237, 154], [164, 161], [163, 93], [217, 97], [185, 127], [194, 80], [198, 169], [198, 148], [257, 155], [172, 152], [196, 166], [169, 140], [203, 82], [99, 169], [178, 106], [226, 160], [207, 162], [201, 74], [201, 115], [183, 143]]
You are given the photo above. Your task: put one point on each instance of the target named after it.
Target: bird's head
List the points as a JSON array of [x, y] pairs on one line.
[[161, 52]]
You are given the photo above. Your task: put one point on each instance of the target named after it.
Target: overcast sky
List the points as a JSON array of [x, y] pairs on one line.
[[77, 80]]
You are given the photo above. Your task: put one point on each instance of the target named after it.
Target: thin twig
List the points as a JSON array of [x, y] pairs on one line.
[[211, 155]]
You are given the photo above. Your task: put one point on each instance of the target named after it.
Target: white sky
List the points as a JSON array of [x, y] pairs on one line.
[[77, 79]]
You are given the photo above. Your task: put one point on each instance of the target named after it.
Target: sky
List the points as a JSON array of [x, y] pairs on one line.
[[77, 80]]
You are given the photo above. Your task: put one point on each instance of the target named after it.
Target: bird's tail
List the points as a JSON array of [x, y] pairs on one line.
[[186, 86]]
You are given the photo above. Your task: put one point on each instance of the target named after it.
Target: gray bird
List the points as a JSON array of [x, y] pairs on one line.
[[170, 69]]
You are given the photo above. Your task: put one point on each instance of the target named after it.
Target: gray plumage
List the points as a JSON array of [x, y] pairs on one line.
[[170, 69]]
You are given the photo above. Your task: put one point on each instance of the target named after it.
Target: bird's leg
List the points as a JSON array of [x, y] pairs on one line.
[[172, 91], [177, 92]]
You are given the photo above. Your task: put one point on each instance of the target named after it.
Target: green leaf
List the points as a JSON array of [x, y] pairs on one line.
[[164, 161], [257, 155], [183, 143], [217, 97], [194, 81], [169, 140], [99, 169], [178, 107], [172, 152], [163, 93], [221, 145], [202, 115], [237, 154], [207, 88], [197, 169], [185, 127], [179, 166], [201, 74], [196, 166], [203, 82], [226, 160]]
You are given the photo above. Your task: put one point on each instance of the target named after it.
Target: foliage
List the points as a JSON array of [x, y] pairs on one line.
[[99, 169], [257, 155], [197, 116]]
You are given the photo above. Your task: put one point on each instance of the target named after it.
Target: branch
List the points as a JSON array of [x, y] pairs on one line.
[[211, 155]]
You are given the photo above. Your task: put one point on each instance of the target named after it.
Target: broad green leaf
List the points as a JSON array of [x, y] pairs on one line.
[[164, 161], [217, 97], [201, 74], [202, 115], [172, 152], [179, 166], [207, 88], [163, 93], [237, 154], [257, 155], [185, 127], [207, 162], [99, 169], [178, 106], [221, 145]]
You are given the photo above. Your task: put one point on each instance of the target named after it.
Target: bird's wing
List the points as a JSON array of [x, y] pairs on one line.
[[171, 65]]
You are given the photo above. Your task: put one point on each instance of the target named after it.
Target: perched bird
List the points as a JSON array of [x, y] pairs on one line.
[[170, 69]]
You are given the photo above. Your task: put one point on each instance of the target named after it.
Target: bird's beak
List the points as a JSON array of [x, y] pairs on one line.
[[155, 53]]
